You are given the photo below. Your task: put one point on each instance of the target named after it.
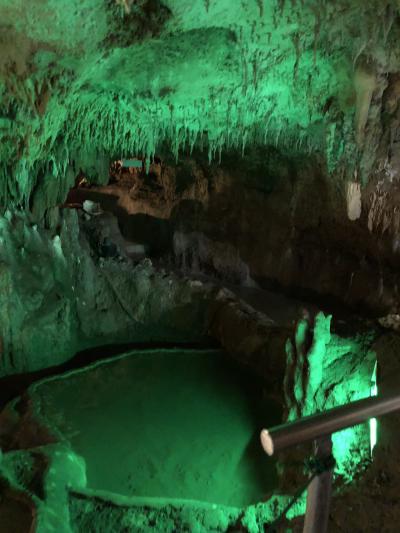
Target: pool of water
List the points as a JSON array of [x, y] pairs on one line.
[[166, 423]]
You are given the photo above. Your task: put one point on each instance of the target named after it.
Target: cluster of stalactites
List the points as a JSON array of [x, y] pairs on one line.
[[97, 129], [77, 129]]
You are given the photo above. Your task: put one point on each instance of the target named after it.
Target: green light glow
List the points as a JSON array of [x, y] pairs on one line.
[[246, 80], [373, 425], [329, 384]]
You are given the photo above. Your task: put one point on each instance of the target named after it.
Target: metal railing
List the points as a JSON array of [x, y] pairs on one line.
[[319, 428]]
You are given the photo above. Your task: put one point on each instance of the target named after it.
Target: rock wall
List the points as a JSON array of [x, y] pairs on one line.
[[323, 371], [59, 295], [270, 220]]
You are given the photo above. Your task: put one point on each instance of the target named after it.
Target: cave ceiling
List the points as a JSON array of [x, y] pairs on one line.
[[85, 81]]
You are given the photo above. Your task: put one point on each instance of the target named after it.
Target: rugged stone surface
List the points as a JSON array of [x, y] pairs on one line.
[[59, 295], [251, 338], [265, 219]]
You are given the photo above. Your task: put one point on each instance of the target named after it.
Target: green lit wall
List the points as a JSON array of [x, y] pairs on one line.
[[333, 371]]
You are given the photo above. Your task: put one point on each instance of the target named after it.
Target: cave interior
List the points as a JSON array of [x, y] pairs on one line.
[[199, 239]]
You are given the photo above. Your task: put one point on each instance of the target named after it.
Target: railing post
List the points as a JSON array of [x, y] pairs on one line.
[[319, 491]]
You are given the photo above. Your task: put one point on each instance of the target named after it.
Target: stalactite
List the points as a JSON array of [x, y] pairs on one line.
[[278, 133], [126, 125], [317, 30], [358, 53], [389, 16], [261, 8], [365, 83], [244, 139], [297, 46]]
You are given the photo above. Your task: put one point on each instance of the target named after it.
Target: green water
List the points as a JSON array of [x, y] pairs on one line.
[[171, 424]]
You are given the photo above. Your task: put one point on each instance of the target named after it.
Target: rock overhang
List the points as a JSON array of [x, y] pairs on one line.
[[79, 79]]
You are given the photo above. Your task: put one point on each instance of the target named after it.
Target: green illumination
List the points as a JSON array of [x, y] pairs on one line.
[[373, 424], [333, 371], [246, 80]]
